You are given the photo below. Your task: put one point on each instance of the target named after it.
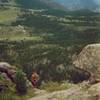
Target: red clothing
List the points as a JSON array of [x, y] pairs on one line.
[[34, 79]]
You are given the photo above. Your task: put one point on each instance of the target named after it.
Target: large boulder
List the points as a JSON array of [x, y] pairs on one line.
[[89, 60]]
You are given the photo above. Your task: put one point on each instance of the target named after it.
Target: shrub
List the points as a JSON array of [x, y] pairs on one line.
[[6, 96], [20, 81]]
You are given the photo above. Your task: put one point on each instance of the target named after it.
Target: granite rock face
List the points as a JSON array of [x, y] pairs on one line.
[[89, 60], [95, 90]]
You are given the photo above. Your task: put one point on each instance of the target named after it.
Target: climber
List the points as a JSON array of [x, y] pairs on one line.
[[34, 79]]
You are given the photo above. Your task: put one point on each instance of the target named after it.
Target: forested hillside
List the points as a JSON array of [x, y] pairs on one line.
[[45, 37], [51, 36]]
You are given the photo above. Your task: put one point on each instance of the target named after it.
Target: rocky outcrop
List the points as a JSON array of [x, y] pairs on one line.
[[7, 73], [89, 60], [82, 91], [8, 70], [94, 90]]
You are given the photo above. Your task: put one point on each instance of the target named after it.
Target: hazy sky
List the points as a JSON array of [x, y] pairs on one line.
[[97, 1]]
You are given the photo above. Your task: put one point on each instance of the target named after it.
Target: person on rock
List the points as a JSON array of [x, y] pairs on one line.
[[34, 79]]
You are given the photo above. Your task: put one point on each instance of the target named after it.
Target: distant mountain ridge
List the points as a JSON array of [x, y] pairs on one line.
[[40, 4], [80, 4], [35, 4], [57, 4]]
